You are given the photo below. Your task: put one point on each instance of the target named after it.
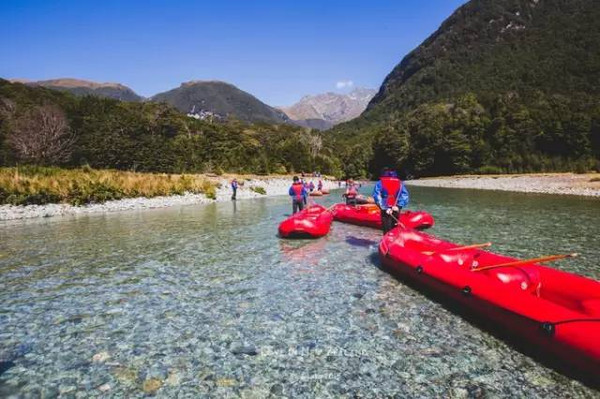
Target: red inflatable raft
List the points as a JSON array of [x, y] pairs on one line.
[[553, 312], [314, 221], [370, 216]]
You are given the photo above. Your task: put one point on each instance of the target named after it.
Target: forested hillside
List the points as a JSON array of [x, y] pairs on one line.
[[221, 99], [48, 127], [502, 86]]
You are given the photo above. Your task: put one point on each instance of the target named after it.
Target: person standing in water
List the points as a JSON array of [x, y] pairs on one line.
[[305, 185], [391, 196], [234, 187], [298, 194], [351, 193]]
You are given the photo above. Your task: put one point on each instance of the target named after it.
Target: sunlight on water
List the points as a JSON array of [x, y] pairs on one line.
[[206, 300]]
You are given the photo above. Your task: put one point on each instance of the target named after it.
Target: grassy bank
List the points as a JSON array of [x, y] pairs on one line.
[[43, 185]]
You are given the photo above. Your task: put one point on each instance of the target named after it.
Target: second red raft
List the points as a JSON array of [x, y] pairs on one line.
[[312, 222], [370, 216]]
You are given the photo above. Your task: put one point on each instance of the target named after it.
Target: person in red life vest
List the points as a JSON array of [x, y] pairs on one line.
[[351, 193], [234, 187], [320, 185], [391, 196], [298, 194]]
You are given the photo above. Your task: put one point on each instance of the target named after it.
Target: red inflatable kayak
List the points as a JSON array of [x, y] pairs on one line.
[[314, 221], [370, 216], [554, 312]]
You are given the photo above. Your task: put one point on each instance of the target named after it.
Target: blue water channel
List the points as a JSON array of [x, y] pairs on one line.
[[206, 301]]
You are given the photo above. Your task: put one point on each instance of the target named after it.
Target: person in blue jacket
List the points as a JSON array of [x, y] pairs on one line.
[[234, 187], [391, 196], [298, 193]]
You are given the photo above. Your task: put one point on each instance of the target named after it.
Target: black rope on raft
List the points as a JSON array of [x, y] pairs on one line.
[[549, 328], [576, 321]]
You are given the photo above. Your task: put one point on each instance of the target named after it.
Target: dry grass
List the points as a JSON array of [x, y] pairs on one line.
[[36, 185]]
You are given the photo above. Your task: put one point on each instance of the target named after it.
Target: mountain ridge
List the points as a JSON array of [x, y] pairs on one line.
[[81, 87], [502, 85], [330, 108], [221, 99]]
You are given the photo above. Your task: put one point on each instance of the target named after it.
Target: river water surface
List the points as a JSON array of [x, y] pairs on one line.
[[207, 301]]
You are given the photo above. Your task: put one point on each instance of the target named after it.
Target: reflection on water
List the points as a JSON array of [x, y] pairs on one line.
[[207, 300]]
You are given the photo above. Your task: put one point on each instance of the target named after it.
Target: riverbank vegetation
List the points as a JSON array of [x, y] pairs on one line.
[[46, 127], [470, 133], [474, 134], [42, 185]]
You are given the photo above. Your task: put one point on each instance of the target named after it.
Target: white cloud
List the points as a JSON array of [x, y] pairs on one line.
[[344, 84]]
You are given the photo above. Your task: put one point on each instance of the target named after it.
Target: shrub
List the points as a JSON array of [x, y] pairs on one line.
[[259, 190], [280, 170], [581, 168], [35, 185], [210, 190], [489, 170]]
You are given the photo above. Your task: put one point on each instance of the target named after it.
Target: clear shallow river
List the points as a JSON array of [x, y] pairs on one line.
[[207, 301]]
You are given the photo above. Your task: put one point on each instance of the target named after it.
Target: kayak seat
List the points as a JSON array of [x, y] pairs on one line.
[[518, 277]]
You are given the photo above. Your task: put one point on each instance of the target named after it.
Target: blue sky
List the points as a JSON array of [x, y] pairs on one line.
[[278, 50]]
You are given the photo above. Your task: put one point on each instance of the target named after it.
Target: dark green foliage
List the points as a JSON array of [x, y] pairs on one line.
[[513, 85], [154, 137], [259, 190]]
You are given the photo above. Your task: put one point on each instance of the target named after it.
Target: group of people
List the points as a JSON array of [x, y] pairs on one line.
[[311, 186], [390, 195]]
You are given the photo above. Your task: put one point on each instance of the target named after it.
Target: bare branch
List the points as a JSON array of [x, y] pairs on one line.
[[42, 135]]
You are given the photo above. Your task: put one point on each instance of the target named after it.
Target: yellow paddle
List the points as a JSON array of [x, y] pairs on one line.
[[526, 261], [474, 246]]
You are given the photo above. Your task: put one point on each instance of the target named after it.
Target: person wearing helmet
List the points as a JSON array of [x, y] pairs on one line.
[[391, 196], [298, 194]]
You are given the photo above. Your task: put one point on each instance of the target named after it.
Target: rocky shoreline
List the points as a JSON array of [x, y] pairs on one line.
[[553, 183], [272, 186]]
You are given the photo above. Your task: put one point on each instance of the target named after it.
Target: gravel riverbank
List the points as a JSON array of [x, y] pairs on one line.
[[555, 183], [272, 187]]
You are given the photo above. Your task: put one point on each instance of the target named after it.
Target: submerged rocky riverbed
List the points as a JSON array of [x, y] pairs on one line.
[[206, 301]]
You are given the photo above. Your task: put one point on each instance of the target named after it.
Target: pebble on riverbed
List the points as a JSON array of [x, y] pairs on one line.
[[151, 385], [100, 357], [238, 348]]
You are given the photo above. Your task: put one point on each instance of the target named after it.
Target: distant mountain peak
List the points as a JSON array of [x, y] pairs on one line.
[[19, 80], [81, 87], [329, 109], [222, 99], [71, 83], [201, 82]]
